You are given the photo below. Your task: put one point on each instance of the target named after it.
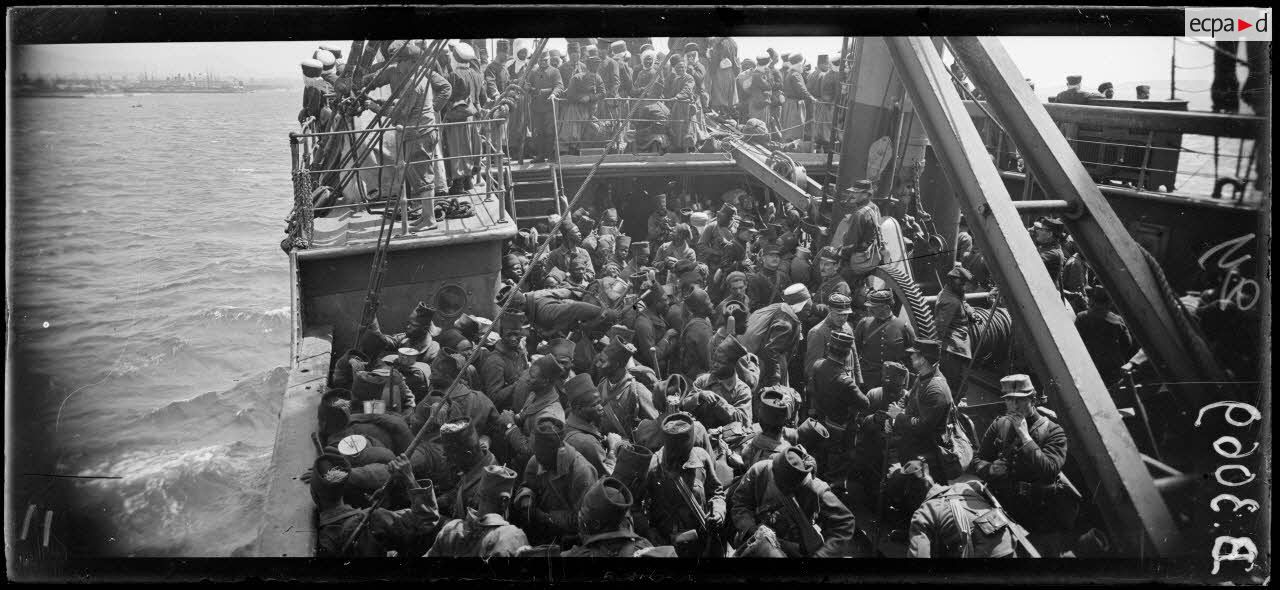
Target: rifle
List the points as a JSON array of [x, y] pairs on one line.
[[613, 421], [703, 527], [810, 540]]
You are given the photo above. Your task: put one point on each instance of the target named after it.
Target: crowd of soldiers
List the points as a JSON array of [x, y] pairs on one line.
[[726, 393]]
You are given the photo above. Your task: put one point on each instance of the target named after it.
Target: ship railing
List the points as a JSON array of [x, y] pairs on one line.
[[574, 133], [337, 170], [1156, 151]]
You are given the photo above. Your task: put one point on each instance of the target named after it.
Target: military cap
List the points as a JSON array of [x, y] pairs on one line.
[[325, 58], [453, 340], [1052, 224], [503, 46], [736, 275], [786, 57], [633, 463], [678, 431], [460, 434], [823, 59], [619, 352], [929, 349], [730, 350], [556, 276], [796, 294], [573, 47], [839, 342], [329, 474], [640, 247], [311, 68], [469, 327], [685, 266], [771, 248], [581, 391], [894, 370], [1074, 80], [1143, 88], [497, 481], [881, 297], [699, 303], [509, 289], [617, 47], [610, 214], [1105, 86], [422, 314], [812, 434], [408, 352], [774, 409], [797, 59], [548, 367], [352, 445], [620, 333], [592, 51], [727, 209], [791, 467], [960, 272], [1014, 386], [548, 433], [556, 53], [1097, 293], [511, 321], [623, 241], [638, 280], [747, 63], [605, 506], [829, 253], [861, 186], [561, 348], [762, 58], [331, 48]]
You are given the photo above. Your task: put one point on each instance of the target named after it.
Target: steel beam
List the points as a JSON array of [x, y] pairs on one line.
[[1136, 514], [753, 163], [1178, 351]]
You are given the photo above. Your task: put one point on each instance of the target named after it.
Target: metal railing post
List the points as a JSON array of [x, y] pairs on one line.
[[555, 127], [402, 204]]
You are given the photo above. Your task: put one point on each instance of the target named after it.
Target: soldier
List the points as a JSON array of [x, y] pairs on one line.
[[468, 458], [496, 75], [417, 334], [885, 402], [827, 85], [679, 247], [765, 286], [555, 313], [796, 97], [573, 62], [928, 406], [462, 142], [583, 92], [1107, 90], [838, 309], [654, 341], [715, 238], [570, 249], [582, 428], [721, 397], [313, 90], [836, 401], [795, 264], [1073, 94], [415, 108], [760, 88], [626, 401], [696, 68], [639, 259], [723, 62], [1047, 233], [605, 524], [774, 413], [504, 366], [537, 396], [1143, 92], [858, 234], [381, 384], [957, 520], [688, 498], [662, 222], [1104, 334], [555, 479], [694, 350], [544, 82], [735, 295], [881, 337], [461, 400], [783, 495], [484, 532], [829, 275], [417, 375], [952, 315], [385, 529], [1021, 459], [774, 332]]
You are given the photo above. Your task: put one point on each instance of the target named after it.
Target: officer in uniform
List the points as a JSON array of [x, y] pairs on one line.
[[835, 400], [1021, 458], [881, 337], [783, 494], [958, 520], [923, 423], [484, 532], [544, 82], [837, 320], [1047, 234], [829, 274], [604, 522]]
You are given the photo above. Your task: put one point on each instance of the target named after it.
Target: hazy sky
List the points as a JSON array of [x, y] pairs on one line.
[[1046, 60]]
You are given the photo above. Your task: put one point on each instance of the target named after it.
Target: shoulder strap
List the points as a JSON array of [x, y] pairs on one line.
[[963, 524]]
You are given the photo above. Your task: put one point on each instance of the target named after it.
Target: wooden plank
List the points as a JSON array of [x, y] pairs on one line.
[[1135, 512], [288, 517]]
